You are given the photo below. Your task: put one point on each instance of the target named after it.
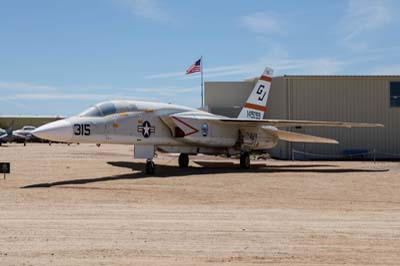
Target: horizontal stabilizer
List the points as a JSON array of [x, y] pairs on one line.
[[297, 137]]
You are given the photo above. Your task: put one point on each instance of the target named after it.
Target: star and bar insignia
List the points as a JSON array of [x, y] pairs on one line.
[[146, 129]]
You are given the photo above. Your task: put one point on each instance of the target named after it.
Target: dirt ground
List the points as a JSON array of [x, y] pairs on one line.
[[84, 205]]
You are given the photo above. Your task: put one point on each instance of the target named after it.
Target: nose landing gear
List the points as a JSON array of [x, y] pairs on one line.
[[150, 167]]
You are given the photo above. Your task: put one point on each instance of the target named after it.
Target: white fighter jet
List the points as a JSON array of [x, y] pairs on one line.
[[188, 131]]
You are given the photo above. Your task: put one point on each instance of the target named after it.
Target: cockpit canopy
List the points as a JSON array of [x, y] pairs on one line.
[[28, 128], [109, 108]]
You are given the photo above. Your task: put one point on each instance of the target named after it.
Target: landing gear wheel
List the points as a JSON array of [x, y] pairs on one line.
[[245, 160], [183, 160], [150, 167]]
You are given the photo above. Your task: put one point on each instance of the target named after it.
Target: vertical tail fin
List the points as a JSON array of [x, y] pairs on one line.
[[10, 126], [255, 106]]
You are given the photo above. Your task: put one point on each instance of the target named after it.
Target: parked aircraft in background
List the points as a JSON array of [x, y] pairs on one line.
[[3, 134], [23, 120], [24, 134], [21, 135], [6, 135], [178, 129]]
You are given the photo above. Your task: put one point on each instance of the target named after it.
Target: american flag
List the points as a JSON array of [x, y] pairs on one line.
[[196, 67]]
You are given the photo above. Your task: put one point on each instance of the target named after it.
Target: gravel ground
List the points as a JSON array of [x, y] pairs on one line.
[[84, 205]]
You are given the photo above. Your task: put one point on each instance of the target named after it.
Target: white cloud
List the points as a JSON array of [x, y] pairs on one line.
[[314, 66], [16, 104], [59, 96], [149, 9], [15, 91], [387, 70], [24, 86], [281, 65], [365, 17], [261, 22], [170, 90], [276, 57], [182, 74], [166, 75]]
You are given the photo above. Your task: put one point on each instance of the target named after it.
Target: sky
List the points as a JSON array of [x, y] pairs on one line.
[[60, 57]]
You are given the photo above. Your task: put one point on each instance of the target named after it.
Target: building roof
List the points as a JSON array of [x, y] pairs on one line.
[[330, 77]]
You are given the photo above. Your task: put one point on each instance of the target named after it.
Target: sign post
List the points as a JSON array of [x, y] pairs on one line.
[[4, 168]]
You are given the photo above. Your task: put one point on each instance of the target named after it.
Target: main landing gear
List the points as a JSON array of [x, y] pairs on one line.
[[245, 160], [183, 160], [150, 167]]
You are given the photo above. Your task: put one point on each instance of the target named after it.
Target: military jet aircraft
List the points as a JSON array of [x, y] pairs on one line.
[[188, 131]]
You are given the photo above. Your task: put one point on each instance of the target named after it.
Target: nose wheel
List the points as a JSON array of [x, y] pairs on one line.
[[150, 167], [183, 160], [244, 160]]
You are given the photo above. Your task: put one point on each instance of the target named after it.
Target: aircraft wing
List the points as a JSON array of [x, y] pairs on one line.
[[296, 123], [184, 120], [297, 137], [271, 122]]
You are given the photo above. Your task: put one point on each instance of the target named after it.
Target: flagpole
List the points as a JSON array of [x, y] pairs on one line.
[[202, 83]]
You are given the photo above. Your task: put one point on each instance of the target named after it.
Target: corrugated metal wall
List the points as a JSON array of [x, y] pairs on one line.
[[330, 98], [226, 98], [356, 99]]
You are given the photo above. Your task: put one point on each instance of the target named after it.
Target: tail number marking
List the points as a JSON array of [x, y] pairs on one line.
[[253, 115], [260, 91], [82, 129]]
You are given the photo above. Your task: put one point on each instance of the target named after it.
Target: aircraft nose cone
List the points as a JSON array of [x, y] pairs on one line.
[[56, 131]]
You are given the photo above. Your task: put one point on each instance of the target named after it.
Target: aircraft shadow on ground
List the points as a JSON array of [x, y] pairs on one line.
[[167, 171]]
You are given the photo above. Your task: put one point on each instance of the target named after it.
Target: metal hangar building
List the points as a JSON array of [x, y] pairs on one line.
[[374, 99]]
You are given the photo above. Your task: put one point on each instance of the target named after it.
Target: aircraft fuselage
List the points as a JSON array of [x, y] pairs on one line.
[[145, 126]]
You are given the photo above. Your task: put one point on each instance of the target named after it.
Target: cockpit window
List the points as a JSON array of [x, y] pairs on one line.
[[107, 108], [92, 111], [126, 107]]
